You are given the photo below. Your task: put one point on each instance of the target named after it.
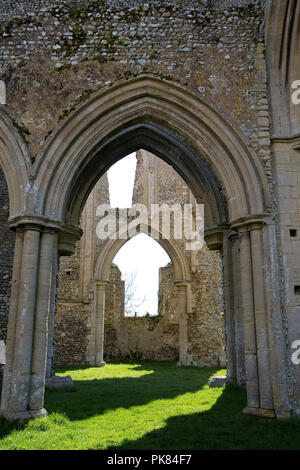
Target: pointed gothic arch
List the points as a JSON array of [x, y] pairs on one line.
[[212, 156], [101, 281]]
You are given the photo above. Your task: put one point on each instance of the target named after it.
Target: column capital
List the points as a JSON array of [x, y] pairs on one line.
[[101, 283], [213, 237], [255, 226], [247, 222], [233, 235], [39, 222], [33, 222], [181, 283], [68, 236], [243, 231]]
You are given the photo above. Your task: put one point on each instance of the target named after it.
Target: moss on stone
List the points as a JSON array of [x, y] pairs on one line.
[[85, 94], [22, 130]]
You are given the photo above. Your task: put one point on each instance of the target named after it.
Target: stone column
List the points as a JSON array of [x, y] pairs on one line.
[[51, 322], [229, 309], [17, 387], [12, 322], [265, 384], [182, 315], [54, 381], [99, 324], [238, 312], [31, 298], [45, 289], [249, 321]]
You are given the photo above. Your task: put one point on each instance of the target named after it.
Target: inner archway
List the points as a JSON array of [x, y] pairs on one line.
[[139, 261], [139, 179]]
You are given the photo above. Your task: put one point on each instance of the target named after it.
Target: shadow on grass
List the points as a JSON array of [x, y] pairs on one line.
[[95, 397], [7, 427], [223, 427]]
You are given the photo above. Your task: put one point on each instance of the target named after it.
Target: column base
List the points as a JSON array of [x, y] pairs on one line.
[[260, 412], [100, 364], [22, 416], [56, 382], [185, 363]]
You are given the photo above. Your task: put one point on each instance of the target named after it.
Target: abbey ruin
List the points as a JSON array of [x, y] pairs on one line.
[[90, 271], [206, 92]]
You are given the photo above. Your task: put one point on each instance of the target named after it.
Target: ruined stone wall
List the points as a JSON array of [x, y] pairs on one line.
[[157, 337], [141, 337], [7, 238], [72, 310], [54, 55], [70, 338]]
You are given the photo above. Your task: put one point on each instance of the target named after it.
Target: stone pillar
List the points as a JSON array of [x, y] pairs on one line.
[[249, 321], [12, 322], [279, 359], [31, 297], [182, 315], [45, 289], [238, 312], [51, 322], [99, 324], [54, 381], [264, 375], [16, 393], [229, 309]]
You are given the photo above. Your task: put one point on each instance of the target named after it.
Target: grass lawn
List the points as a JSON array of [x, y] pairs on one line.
[[147, 405]]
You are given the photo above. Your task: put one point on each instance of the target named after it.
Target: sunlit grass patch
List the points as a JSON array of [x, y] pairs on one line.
[[146, 406]]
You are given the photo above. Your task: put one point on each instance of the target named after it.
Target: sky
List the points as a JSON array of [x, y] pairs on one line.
[[141, 255]]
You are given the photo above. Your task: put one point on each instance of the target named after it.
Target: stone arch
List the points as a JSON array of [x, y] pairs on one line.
[[176, 254], [164, 118], [101, 276], [15, 163], [282, 35], [209, 153]]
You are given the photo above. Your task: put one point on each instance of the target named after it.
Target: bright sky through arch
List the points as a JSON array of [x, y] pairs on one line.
[[121, 181], [144, 256], [141, 255]]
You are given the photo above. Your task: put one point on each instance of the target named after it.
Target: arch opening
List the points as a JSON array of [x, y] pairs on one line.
[[139, 261], [175, 286]]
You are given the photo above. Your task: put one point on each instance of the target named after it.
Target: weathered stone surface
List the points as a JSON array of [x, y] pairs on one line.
[[6, 256], [57, 382], [2, 353], [197, 81], [217, 381]]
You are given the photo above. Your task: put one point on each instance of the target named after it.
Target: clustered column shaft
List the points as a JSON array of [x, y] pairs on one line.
[[24, 378]]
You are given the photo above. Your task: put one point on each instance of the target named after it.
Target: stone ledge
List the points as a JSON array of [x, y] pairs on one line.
[[217, 381], [57, 382]]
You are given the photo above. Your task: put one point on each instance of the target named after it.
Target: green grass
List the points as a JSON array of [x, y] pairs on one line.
[[148, 405]]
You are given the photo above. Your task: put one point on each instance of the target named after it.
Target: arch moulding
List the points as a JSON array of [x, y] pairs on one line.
[[101, 280], [164, 118]]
